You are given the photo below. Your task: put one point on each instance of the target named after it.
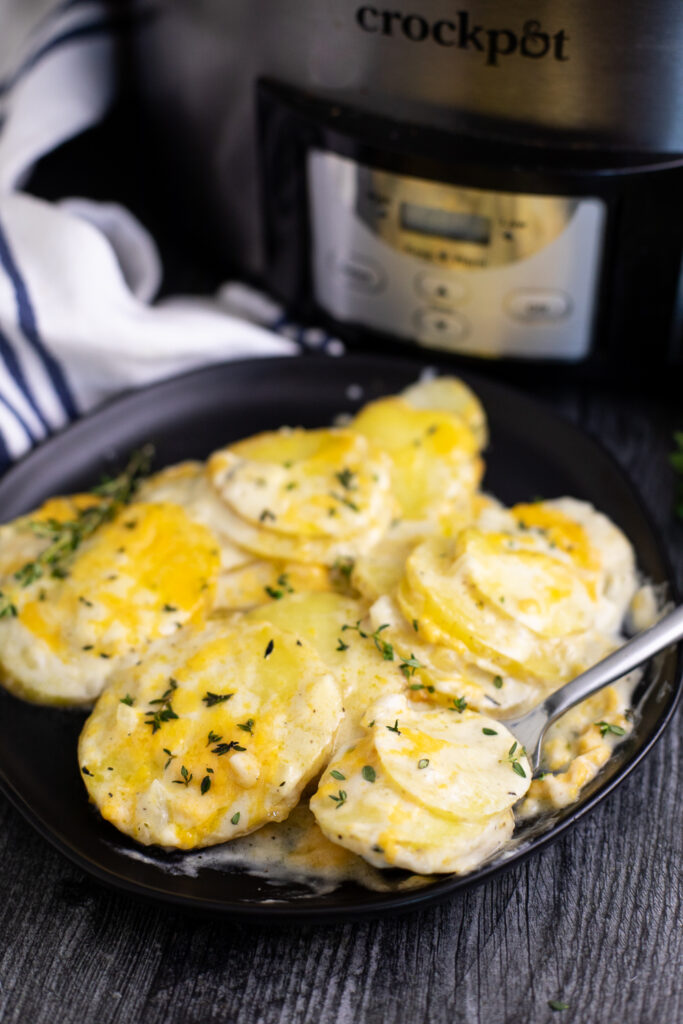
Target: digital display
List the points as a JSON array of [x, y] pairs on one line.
[[460, 227]]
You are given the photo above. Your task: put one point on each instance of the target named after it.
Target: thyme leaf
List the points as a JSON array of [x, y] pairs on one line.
[[66, 536]]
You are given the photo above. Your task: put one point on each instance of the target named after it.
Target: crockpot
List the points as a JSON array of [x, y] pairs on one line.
[[493, 180]]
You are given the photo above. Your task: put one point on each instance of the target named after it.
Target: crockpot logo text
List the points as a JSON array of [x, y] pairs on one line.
[[465, 34]]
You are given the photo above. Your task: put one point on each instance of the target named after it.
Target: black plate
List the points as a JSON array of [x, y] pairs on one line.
[[532, 452]]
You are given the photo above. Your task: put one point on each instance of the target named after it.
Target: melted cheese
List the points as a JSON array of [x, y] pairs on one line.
[[142, 576], [253, 716]]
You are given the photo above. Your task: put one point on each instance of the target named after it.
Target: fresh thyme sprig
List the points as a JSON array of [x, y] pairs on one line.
[[409, 665], [385, 649], [512, 757], [606, 727], [65, 537], [164, 712]]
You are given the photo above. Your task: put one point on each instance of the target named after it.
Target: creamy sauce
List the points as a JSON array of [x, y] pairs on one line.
[[293, 851]]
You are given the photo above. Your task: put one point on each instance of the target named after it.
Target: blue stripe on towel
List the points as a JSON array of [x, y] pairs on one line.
[[14, 368], [20, 420], [29, 327]]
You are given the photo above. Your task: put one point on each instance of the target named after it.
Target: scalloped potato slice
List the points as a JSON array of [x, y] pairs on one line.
[[265, 543], [359, 668], [380, 570], [434, 454], [529, 587], [321, 484], [458, 763], [20, 544], [594, 544], [450, 394], [447, 672], [187, 485], [262, 582], [253, 713], [139, 577], [385, 826], [440, 591]]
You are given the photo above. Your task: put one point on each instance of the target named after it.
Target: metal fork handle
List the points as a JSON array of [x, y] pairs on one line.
[[634, 652]]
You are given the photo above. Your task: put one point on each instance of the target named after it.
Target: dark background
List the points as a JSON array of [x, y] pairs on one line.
[[593, 921]]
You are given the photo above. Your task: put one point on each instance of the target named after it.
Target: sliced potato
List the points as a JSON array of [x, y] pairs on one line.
[[262, 581], [458, 763], [214, 734], [380, 570], [450, 394], [363, 674], [445, 672], [186, 484], [441, 590], [357, 806], [142, 576], [434, 454], [312, 484]]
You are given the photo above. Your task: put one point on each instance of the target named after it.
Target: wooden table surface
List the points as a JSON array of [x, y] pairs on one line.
[[593, 921]]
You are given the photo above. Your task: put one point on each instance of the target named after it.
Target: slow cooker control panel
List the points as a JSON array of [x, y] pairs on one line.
[[475, 271]]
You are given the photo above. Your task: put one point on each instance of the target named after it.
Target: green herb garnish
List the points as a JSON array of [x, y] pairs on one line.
[[346, 478], [164, 712], [606, 727], [408, 665], [66, 536], [513, 758], [384, 648], [224, 748], [215, 698], [186, 777]]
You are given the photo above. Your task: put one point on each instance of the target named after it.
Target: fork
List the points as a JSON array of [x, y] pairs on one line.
[[530, 729]]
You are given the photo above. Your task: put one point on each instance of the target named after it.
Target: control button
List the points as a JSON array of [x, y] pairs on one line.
[[542, 305], [443, 330], [359, 273], [441, 290]]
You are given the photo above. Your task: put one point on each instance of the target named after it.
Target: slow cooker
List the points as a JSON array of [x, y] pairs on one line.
[[500, 181]]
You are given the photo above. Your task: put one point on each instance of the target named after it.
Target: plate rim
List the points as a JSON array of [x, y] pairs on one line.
[[389, 903]]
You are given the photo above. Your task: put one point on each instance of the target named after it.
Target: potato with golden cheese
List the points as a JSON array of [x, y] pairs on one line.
[[434, 450], [187, 484], [213, 734], [303, 495], [143, 575], [364, 666], [427, 790]]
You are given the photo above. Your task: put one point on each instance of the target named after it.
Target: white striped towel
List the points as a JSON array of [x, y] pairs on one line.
[[78, 323]]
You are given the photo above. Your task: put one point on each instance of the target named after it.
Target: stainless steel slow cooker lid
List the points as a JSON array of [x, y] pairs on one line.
[[607, 74]]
